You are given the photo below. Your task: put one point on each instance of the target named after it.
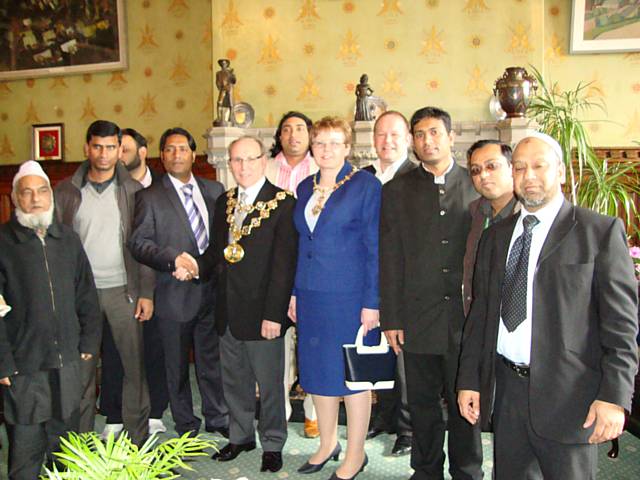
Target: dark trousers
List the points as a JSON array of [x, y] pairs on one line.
[[243, 364], [177, 340], [429, 378], [519, 452], [391, 412], [118, 311], [112, 373]]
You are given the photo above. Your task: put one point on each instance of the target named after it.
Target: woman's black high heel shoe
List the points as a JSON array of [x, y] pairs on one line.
[[316, 467], [364, 464]]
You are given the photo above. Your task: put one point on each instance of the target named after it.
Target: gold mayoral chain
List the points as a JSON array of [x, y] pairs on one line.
[[234, 252], [322, 192]]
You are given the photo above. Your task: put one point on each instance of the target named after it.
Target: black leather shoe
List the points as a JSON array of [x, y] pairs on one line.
[[224, 431], [374, 432], [232, 450], [402, 446], [271, 462], [316, 467], [364, 464]]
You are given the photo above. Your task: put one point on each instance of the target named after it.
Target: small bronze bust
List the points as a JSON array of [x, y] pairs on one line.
[[225, 80], [363, 100]]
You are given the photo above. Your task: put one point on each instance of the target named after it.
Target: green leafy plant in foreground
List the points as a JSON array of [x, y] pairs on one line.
[[85, 457]]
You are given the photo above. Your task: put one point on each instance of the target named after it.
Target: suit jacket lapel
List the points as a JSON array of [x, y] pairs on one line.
[[562, 225], [176, 202]]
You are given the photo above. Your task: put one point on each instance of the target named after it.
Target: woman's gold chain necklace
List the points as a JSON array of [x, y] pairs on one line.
[[322, 192]]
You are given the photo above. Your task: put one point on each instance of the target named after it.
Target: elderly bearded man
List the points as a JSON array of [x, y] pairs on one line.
[[53, 321]]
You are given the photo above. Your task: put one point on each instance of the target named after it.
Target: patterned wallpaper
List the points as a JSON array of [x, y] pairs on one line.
[[309, 54]]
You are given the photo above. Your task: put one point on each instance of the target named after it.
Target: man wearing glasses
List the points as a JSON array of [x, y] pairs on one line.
[[489, 164], [172, 216], [253, 258]]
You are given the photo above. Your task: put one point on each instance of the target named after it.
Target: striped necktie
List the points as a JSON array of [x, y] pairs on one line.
[[195, 218]]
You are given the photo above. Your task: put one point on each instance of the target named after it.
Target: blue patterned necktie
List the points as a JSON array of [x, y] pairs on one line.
[[514, 289], [195, 218]]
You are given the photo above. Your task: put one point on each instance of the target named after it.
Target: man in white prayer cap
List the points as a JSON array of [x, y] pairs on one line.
[[49, 320]]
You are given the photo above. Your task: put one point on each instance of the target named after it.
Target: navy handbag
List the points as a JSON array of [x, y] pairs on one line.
[[369, 367]]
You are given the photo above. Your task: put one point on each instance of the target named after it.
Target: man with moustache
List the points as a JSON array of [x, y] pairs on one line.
[[172, 216], [549, 352], [392, 140], [290, 163], [424, 224], [51, 324], [253, 257], [489, 164], [134, 155], [97, 202]]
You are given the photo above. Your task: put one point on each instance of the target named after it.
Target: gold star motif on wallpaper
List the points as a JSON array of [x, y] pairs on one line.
[[309, 49], [117, 81], [147, 40], [433, 84], [390, 7], [308, 13], [58, 82], [475, 6], [31, 115], [350, 49], [633, 127], [178, 7], [595, 87], [520, 44], [148, 106], [270, 54], [180, 71], [231, 21], [555, 52], [309, 90], [476, 85], [88, 110], [6, 150], [392, 85], [5, 89], [270, 90], [433, 45]]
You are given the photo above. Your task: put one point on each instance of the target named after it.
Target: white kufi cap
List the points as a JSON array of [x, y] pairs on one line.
[[30, 167]]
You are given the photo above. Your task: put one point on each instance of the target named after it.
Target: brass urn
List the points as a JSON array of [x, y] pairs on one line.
[[514, 91]]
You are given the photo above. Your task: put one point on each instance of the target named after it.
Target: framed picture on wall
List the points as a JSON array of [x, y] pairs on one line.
[[45, 38], [48, 141], [605, 26]]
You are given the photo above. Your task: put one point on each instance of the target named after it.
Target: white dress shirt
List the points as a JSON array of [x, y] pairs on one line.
[[516, 345], [198, 199], [389, 172], [440, 179], [252, 191]]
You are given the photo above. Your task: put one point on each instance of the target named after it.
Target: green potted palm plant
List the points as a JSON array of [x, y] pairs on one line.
[[85, 457], [593, 182]]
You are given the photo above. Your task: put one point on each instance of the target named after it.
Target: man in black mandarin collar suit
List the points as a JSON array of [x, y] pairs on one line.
[[163, 230], [557, 383], [424, 223], [253, 298]]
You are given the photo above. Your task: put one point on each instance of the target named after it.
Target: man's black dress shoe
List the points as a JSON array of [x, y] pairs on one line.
[[374, 432], [316, 467], [271, 462], [232, 450], [402, 446], [364, 464], [224, 431]]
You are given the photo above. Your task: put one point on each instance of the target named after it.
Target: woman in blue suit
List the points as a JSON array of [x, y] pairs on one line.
[[336, 288]]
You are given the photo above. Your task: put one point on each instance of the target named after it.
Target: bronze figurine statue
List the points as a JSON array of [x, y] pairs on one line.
[[363, 100], [225, 80]]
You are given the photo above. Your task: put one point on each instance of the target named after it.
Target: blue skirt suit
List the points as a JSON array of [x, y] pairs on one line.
[[337, 276]]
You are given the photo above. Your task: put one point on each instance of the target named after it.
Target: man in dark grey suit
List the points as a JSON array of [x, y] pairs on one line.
[[424, 224], [392, 140], [549, 352], [172, 216]]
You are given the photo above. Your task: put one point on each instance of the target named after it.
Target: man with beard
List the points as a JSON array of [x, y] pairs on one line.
[[98, 202], [51, 324], [290, 163], [134, 156]]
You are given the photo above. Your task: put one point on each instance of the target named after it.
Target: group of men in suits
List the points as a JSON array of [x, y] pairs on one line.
[[539, 347]]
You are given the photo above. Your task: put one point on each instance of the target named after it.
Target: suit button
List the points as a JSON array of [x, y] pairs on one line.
[[445, 270], [309, 255], [447, 298], [441, 191], [310, 237], [444, 241], [443, 212]]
